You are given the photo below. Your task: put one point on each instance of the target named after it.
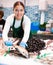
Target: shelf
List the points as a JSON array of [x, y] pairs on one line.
[[44, 36]]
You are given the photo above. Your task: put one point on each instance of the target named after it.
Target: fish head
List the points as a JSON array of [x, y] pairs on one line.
[[23, 51]]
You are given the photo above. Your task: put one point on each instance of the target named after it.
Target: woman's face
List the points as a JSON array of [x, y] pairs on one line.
[[19, 12]]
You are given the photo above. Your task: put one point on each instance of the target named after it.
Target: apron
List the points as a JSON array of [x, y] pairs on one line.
[[19, 32]]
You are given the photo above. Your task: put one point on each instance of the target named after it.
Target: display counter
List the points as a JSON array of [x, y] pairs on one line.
[[45, 58]]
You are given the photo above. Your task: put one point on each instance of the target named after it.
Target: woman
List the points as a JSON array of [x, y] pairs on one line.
[[20, 24], [2, 21]]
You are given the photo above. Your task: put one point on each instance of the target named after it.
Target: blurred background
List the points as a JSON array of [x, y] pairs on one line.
[[39, 11]]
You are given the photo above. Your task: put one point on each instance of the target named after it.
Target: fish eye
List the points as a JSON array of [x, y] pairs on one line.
[[23, 52]]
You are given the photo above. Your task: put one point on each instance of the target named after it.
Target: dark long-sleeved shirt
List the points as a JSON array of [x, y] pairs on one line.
[[2, 22]]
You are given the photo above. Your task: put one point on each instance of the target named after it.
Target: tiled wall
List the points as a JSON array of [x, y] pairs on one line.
[[32, 12]]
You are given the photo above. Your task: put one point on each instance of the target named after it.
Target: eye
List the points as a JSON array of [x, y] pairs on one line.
[[23, 52], [21, 10], [16, 10]]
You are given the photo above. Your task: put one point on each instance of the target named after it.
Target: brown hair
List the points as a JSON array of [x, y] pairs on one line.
[[1, 13], [18, 3]]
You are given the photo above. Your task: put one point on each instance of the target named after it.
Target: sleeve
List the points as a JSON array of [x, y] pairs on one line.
[[6, 30], [26, 27]]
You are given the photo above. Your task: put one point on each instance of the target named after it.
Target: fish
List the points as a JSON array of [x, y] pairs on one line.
[[22, 50]]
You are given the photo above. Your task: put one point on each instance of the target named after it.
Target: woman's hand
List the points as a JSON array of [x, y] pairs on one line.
[[23, 44], [8, 43]]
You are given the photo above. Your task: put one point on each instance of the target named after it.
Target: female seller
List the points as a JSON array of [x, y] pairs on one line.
[[20, 24]]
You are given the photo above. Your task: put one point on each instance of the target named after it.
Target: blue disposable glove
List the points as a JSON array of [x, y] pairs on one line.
[[8, 43], [23, 44]]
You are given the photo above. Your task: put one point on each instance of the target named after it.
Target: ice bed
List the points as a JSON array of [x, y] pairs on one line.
[[45, 58]]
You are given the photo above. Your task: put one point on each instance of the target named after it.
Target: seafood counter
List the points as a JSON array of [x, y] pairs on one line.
[[38, 51]]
